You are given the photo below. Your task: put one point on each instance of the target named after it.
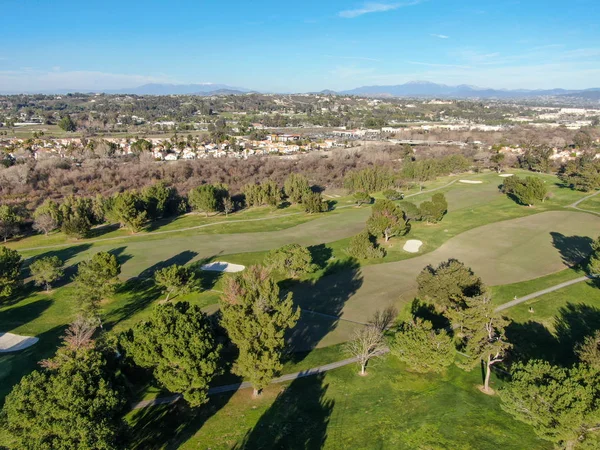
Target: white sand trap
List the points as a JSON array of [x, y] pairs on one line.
[[470, 181], [412, 246], [219, 266], [506, 175], [13, 342]]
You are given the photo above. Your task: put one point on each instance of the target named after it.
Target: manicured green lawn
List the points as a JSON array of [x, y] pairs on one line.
[[389, 408], [591, 204]]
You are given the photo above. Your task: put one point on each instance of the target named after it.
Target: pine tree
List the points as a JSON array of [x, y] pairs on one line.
[[256, 320]]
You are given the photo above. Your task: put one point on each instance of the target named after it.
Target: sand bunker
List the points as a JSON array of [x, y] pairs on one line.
[[470, 181], [506, 175], [13, 342], [219, 266], [412, 246]]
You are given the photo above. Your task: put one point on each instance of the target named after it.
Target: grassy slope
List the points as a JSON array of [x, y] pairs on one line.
[[390, 408]]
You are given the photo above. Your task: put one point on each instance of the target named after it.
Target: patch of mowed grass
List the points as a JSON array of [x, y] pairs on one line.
[[507, 292], [546, 308], [591, 204], [271, 219], [389, 408]]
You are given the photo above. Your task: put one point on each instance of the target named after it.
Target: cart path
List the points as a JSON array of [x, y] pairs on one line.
[[335, 365]]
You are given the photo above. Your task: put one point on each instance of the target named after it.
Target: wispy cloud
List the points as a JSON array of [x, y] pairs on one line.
[[356, 58], [441, 36], [371, 7], [456, 66]]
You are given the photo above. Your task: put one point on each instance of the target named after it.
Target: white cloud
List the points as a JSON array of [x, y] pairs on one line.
[[441, 36], [30, 80], [371, 7]]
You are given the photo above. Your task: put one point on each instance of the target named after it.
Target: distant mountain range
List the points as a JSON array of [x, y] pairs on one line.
[[428, 89], [422, 89], [181, 89]]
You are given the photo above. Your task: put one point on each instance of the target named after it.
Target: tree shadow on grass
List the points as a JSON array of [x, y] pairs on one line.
[[12, 318], [180, 259], [573, 249], [573, 325], [140, 294], [206, 278], [531, 340], [64, 254], [297, 419], [103, 229], [324, 299], [427, 311], [170, 426], [320, 255]]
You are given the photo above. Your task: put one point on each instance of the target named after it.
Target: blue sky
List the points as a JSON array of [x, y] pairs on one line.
[[296, 46]]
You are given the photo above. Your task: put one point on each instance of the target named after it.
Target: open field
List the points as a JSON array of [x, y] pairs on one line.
[[338, 410], [502, 241]]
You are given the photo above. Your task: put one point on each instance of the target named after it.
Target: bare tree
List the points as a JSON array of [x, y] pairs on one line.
[[80, 332], [44, 223], [383, 319], [367, 343]]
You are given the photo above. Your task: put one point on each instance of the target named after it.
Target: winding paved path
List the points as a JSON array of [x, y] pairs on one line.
[[245, 385], [576, 204], [327, 367]]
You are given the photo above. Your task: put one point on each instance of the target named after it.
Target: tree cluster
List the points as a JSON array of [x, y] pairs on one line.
[[527, 191]]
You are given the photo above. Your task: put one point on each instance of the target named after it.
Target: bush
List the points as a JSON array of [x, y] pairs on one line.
[[364, 246], [362, 197], [392, 194]]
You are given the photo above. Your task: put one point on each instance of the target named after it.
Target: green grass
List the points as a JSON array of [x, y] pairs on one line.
[[389, 408], [547, 308], [507, 292], [591, 204], [353, 293]]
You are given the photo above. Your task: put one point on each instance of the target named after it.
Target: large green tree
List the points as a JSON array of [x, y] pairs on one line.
[[175, 280], [433, 211], [9, 222], [364, 246], [296, 186], [10, 271], [387, 220], [561, 404], [449, 287], [96, 279], [129, 209], [256, 320], [482, 336], [423, 348], [204, 198], [527, 191], [313, 203], [75, 403], [291, 259], [67, 124], [178, 345], [46, 271]]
